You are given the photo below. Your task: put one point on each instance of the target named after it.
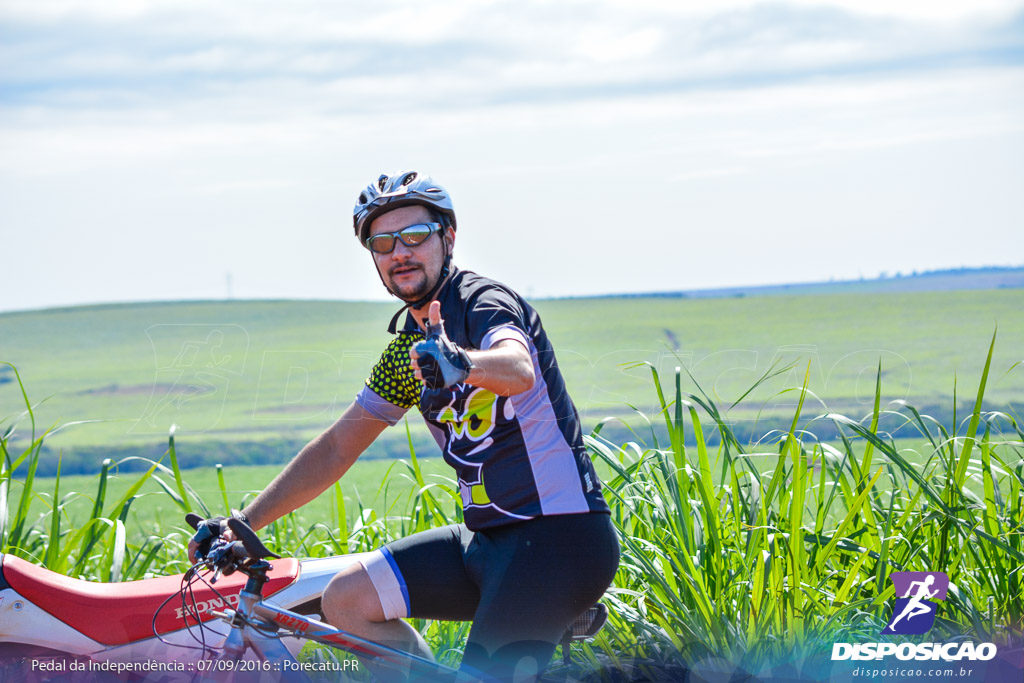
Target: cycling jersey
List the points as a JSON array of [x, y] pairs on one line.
[[517, 457]]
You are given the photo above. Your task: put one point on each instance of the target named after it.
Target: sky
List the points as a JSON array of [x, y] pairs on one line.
[[186, 149]]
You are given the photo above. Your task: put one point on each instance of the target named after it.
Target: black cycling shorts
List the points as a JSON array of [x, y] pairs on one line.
[[521, 584]]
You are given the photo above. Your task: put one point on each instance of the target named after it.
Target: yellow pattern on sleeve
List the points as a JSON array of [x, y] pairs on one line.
[[392, 378]]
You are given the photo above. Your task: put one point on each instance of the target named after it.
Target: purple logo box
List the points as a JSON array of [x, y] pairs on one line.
[[914, 610]]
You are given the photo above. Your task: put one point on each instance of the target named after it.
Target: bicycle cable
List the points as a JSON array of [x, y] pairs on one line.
[[245, 619], [185, 592]]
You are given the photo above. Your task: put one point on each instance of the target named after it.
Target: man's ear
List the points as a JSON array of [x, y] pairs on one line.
[[449, 237]]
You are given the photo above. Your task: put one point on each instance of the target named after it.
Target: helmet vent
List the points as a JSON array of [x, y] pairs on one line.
[[393, 191]]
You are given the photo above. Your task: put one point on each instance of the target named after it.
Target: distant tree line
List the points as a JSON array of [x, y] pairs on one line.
[[194, 453]]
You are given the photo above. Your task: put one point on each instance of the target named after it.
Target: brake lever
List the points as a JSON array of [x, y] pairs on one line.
[[250, 541], [193, 520]]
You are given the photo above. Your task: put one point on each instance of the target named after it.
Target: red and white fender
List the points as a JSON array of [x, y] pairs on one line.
[[114, 621]]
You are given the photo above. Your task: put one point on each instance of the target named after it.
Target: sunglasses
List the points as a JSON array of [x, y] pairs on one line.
[[414, 235]]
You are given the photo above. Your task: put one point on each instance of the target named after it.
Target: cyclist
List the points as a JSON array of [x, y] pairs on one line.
[[537, 547]]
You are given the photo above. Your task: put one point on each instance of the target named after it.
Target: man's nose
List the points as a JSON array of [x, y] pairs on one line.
[[401, 252]]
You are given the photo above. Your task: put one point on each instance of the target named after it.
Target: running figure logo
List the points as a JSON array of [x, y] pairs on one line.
[[914, 612]]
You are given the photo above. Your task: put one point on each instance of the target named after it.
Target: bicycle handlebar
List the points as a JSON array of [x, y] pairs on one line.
[[231, 556]]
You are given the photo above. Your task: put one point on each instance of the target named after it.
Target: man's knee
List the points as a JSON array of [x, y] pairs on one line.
[[351, 598]]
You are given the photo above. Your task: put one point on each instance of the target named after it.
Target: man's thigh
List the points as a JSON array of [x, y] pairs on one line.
[[538, 576], [432, 568]]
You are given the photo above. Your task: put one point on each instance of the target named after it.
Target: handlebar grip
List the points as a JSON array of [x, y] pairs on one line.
[[239, 551]]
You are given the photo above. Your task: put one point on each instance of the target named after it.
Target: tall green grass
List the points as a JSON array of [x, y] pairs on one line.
[[760, 553], [753, 553]]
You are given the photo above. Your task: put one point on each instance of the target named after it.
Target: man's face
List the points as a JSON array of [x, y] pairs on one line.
[[409, 272]]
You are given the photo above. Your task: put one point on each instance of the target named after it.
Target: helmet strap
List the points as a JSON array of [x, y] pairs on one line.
[[429, 296]]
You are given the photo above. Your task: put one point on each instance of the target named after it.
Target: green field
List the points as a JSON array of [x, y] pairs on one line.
[[385, 486], [381, 486], [761, 552], [252, 381]]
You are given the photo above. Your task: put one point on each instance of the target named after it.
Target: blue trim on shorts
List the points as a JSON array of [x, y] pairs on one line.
[[398, 575]]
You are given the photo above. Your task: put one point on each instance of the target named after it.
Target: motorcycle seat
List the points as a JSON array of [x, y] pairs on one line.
[[121, 613]]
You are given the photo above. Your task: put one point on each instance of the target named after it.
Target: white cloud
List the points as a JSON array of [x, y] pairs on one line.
[[196, 48], [943, 10], [605, 44], [246, 128]]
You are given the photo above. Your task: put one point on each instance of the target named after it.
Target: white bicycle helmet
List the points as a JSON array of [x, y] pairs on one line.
[[407, 188], [401, 189]]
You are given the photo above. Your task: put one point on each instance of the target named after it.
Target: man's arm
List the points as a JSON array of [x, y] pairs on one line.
[[317, 466], [505, 369]]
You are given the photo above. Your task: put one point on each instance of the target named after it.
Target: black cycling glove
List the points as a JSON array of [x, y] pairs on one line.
[[442, 362], [209, 530]]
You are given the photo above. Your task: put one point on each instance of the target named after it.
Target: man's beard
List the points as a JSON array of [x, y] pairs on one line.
[[411, 291]]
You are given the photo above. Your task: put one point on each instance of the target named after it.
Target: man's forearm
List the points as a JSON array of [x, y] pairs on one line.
[[506, 368], [322, 462]]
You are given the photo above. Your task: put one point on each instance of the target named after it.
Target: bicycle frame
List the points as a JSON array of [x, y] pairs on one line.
[[237, 640], [246, 636], [117, 623]]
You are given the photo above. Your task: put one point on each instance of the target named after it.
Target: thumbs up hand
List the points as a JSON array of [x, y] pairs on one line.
[[437, 360]]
